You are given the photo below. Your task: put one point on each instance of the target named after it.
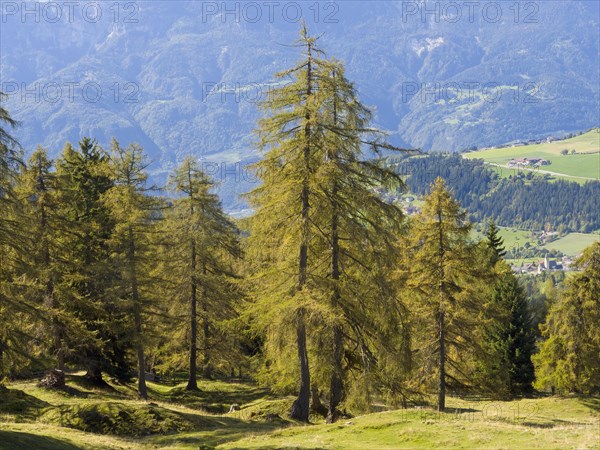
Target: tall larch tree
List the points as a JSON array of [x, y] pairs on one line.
[[443, 277], [319, 191], [358, 232], [568, 357], [134, 213], [202, 247], [281, 228], [12, 336]]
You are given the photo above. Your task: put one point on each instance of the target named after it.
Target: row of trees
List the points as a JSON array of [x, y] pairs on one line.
[[99, 271], [88, 253]]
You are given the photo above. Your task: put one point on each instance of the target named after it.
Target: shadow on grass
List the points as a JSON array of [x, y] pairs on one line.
[[539, 424], [212, 401], [221, 430], [82, 387], [15, 439], [23, 406], [455, 411], [592, 403]]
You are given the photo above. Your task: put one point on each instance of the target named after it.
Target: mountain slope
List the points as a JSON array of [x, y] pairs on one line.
[[166, 74]]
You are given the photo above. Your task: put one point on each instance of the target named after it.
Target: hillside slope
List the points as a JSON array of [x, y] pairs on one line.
[[183, 77], [577, 157]]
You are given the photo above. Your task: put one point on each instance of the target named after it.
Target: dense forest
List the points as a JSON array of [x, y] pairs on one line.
[[524, 201], [327, 291]]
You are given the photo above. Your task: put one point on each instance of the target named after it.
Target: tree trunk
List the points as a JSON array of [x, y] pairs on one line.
[[192, 384], [300, 407], [441, 325], [206, 360], [51, 301], [442, 379], [336, 385], [315, 402], [94, 373], [137, 316]]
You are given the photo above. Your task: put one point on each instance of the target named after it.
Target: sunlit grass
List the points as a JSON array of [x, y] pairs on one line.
[[31, 417]]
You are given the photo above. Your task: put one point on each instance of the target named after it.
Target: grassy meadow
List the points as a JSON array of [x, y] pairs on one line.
[[584, 164], [573, 243], [87, 417]]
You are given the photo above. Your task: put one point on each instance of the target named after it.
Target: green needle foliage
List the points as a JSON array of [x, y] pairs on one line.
[[134, 213], [282, 228], [12, 339], [336, 298], [443, 277], [84, 177], [321, 236], [568, 358], [509, 341], [356, 238], [495, 242], [45, 263]]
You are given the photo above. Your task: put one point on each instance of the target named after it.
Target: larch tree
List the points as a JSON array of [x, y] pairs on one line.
[[442, 275], [11, 336], [568, 357], [357, 231], [134, 213], [321, 234], [281, 229], [202, 244]]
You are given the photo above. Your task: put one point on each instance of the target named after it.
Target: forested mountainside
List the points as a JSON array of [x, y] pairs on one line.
[[182, 77], [524, 200]]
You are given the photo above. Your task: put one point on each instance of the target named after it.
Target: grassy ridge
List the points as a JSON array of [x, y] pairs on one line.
[[31, 417], [585, 163]]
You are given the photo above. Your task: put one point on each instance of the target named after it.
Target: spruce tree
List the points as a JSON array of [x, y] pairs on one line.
[[38, 189], [45, 261], [509, 340], [84, 177], [495, 242]]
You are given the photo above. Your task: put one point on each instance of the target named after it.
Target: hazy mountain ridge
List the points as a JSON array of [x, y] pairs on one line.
[[162, 77]]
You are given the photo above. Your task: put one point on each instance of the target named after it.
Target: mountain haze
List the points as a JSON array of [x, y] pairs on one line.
[[181, 77]]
